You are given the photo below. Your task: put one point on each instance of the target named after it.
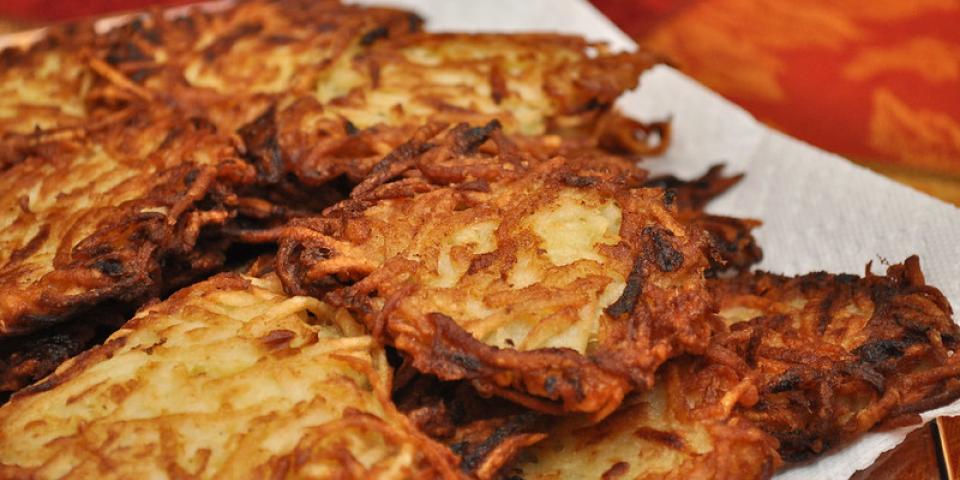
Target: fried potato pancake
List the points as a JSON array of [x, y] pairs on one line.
[[113, 218], [42, 91], [329, 71], [533, 84], [549, 283], [656, 434], [229, 378], [808, 364], [833, 356], [231, 65], [43, 86]]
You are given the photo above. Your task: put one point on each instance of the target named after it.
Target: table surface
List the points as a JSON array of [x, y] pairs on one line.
[[930, 452]]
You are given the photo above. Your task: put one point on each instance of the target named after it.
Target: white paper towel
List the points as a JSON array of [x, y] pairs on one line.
[[820, 212]]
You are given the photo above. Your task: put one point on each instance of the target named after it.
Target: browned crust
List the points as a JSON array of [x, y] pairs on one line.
[[78, 364], [654, 320], [116, 254], [485, 433], [733, 246], [861, 353]]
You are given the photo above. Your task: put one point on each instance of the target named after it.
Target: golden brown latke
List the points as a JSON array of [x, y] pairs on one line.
[[670, 432], [551, 283], [547, 84], [42, 90], [830, 357], [361, 66], [322, 89], [229, 378], [111, 219], [231, 65], [804, 365], [531, 83]]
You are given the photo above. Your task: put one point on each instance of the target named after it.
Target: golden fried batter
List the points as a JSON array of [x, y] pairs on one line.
[[833, 356], [549, 283], [114, 218], [808, 363], [229, 378]]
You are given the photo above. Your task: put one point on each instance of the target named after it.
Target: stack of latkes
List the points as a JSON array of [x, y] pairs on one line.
[[311, 240]]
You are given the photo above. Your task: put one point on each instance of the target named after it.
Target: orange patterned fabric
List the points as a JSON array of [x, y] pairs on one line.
[[874, 81]]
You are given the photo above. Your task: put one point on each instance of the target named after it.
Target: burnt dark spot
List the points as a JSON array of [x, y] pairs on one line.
[[460, 448], [578, 181], [880, 350], [125, 52], [35, 320], [847, 279], [202, 124], [628, 299], [350, 128], [414, 23], [153, 36], [471, 138], [667, 258], [790, 380], [263, 148], [378, 33], [473, 458], [550, 384], [592, 104], [669, 195], [109, 267], [797, 446], [753, 345], [467, 362], [191, 177]]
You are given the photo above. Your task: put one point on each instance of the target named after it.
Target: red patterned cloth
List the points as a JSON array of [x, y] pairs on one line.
[[874, 81], [43, 11]]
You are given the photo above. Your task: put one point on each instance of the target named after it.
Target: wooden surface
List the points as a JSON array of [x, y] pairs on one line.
[[949, 429], [914, 459]]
